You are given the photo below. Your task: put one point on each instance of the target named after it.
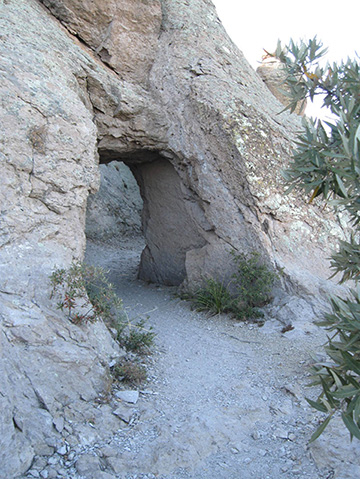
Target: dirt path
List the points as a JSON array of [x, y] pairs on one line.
[[224, 399]]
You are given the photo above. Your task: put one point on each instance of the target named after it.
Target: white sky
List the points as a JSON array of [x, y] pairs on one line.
[[257, 24]]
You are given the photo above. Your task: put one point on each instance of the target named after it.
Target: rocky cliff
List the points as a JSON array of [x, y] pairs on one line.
[[159, 86]]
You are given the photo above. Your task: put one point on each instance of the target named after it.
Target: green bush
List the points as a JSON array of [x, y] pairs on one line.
[[253, 282], [212, 296], [339, 378], [86, 295], [326, 163], [138, 338], [249, 289]]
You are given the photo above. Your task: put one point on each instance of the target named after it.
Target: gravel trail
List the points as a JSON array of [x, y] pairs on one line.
[[224, 399]]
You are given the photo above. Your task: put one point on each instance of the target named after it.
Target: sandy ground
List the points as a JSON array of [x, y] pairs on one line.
[[224, 399]]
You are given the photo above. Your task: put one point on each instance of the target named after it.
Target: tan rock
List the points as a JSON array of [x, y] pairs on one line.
[[123, 34], [272, 73]]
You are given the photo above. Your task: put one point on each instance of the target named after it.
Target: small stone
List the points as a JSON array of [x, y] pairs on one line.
[[59, 423], [124, 413], [255, 435], [63, 472], [62, 450], [52, 474], [33, 473], [128, 396], [53, 460], [44, 474], [291, 437], [281, 433], [234, 450], [71, 455]]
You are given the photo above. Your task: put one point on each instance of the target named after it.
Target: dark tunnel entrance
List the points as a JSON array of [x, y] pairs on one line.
[[169, 213]]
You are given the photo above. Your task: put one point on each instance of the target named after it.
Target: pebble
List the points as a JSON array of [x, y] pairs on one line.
[[62, 450], [124, 413], [281, 433], [128, 396], [44, 474], [33, 473], [59, 423]]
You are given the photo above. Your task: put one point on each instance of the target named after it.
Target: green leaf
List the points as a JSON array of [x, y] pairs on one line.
[[351, 363], [352, 427], [341, 186], [357, 409], [317, 405], [320, 429], [346, 391]]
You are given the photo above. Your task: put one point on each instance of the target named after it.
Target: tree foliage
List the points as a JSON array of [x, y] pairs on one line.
[[326, 164]]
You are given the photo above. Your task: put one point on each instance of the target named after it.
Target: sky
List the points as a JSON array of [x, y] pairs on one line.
[[257, 24]]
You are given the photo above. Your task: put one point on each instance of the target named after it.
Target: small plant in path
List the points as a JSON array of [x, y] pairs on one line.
[[85, 295], [249, 289], [129, 372], [213, 296], [253, 282]]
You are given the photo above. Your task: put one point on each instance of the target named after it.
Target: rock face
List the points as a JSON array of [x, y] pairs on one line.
[[160, 87], [115, 210]]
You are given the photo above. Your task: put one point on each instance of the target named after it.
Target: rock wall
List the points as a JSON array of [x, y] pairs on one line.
[[159, 86], [114, 211]]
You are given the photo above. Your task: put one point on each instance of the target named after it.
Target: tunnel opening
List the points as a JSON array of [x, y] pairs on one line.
[[142, 200]]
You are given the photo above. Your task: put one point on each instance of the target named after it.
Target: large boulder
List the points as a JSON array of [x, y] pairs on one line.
[[160, 87]]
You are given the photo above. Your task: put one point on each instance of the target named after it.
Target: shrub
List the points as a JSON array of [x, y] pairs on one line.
[[86, 295], [129, 372], [339, 378], [213, 296], [249, 289], [326, 163], [138, 339], [253, 282]]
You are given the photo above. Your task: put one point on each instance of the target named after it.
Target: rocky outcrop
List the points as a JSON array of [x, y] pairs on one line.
[[273, 74], [184, 110], [115, 210]]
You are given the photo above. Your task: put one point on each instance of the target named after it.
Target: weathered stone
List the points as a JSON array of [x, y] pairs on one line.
[[59, 423], [128, 396], [123, 34], [90, 467], [124, 413], [273, 74]]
